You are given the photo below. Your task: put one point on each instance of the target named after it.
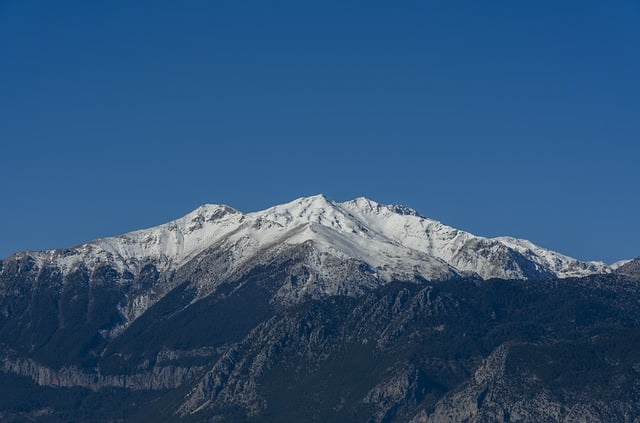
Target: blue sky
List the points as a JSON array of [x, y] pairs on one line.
[[500, 117]]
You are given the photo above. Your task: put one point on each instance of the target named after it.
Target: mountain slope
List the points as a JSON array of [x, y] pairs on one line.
[[313, 311], [343, 249]]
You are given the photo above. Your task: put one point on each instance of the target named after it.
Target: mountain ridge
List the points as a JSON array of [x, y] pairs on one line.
[[352, 227]]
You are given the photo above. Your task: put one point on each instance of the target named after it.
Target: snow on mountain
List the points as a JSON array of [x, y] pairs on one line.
[[395, 241], [168, 245], [618, 264], [501, 257], [335, 231], [560, 265]]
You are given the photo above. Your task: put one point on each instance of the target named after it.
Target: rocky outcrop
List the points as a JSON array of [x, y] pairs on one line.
[[234, 378], [498, 394], [158, 378], [394, 398], [631, 269]]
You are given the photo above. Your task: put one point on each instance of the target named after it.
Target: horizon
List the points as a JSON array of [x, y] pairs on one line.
[[500, 119]]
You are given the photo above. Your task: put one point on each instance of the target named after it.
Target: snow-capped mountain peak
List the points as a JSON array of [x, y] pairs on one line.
[[315, 209], [395, 241]]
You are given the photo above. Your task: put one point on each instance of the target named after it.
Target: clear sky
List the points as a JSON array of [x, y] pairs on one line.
[[509, 117]]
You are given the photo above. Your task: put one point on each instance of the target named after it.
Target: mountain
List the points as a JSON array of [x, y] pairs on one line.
[[393, 240], [315, 310]]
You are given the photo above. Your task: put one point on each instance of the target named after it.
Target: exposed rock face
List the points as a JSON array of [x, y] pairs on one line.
[[498, 394], [169, 377], [631, 269], [394, 398], [386, 326]]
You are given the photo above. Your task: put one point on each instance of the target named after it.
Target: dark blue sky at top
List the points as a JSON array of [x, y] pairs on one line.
[[501, 118]]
